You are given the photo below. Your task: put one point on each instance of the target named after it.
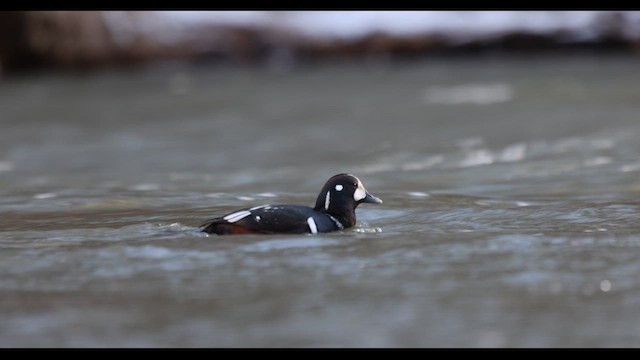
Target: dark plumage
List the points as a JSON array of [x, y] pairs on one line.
[[334, 210]]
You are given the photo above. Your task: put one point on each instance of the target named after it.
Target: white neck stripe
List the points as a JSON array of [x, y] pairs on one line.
[[326, 200], [338, 223], [312, 225]]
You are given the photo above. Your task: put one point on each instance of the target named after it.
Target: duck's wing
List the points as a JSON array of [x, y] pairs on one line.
[[265, 219]]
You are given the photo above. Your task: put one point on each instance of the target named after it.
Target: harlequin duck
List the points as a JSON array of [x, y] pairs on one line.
[[334, 210]]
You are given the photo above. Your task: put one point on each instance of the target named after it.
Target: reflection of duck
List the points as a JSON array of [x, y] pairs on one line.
[[334, 210]]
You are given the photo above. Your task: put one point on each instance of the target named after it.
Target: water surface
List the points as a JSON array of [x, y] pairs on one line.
[[510, 218]]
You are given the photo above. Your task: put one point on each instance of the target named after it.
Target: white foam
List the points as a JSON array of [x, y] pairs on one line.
[[368, 230], [478, 157], [630, 167], [597, 161], [43, 196], [424, 164], [145, 187], [474, 94], [6, 166], [513, 153], [418, 194]]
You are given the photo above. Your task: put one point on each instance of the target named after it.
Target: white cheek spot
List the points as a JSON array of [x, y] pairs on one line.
[[312, 225], [236, 216], [339, 187], [326, 200], [257, 218], [360, 192]]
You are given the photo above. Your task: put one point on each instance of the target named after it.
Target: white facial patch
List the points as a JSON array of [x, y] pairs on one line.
[[360, 192], [236, 216], [312, 225], [339, 187], [326, 200]]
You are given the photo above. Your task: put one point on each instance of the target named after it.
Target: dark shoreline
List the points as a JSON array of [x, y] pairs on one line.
[[83, 41]]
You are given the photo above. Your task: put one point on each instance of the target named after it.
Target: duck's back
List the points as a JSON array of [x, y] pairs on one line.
[[267, 219]]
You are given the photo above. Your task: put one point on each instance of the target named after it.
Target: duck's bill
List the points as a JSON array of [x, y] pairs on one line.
[[371, 199]]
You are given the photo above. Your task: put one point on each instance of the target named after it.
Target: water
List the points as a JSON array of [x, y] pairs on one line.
[[510, 218]]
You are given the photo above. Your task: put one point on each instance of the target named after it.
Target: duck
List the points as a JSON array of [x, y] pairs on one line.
[[335, 209]]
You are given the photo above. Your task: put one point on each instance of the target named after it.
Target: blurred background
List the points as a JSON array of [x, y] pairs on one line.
[[503, 143], [91, 40]]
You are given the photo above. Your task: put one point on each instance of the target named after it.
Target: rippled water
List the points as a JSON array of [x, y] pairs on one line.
[[511, 196]]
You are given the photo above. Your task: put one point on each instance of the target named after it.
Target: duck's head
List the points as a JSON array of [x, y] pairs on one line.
[[341, 195]]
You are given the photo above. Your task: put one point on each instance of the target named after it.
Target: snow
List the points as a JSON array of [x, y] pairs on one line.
[[353, 24]]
